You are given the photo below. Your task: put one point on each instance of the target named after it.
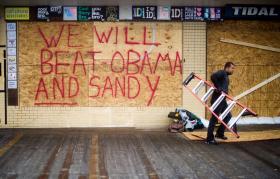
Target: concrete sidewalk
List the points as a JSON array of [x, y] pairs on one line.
[[129, 153]]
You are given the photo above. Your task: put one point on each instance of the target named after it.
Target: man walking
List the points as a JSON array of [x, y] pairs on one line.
[[221, 82]]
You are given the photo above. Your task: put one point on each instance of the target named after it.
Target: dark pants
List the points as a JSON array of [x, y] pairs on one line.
[[220, 132]]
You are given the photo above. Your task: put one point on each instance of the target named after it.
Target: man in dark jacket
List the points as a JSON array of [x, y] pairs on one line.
[[221, 82]]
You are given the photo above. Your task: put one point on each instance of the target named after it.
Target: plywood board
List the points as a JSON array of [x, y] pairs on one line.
[[106, 64], [253, 65]]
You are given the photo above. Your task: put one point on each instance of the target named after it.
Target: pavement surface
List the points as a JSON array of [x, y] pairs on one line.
[[130, 153]]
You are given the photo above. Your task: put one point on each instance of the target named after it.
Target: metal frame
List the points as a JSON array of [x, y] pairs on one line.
[[5, 85]]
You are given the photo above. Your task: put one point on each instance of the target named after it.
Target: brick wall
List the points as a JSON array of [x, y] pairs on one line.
[[194, 52]]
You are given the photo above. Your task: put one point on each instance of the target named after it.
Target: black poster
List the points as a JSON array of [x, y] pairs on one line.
[[206, 13], [212, 13], [84, 13], [144, 12], [189, 13], [42, 12], [112, 13], [98, 13], [33, 13], [253, 12], [198, 13], [56, 13], [217, 12], [177, 13]]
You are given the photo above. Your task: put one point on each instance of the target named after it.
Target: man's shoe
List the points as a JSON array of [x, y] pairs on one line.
[[221, 137], [213, 142]]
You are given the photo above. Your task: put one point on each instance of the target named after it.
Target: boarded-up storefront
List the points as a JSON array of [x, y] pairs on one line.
[[106, 74], [100, 64], [254, 65]]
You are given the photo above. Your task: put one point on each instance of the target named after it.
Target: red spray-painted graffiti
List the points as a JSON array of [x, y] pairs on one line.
[[64, 66]]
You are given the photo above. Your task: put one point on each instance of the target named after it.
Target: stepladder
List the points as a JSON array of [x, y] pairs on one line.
[[195, 84]]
